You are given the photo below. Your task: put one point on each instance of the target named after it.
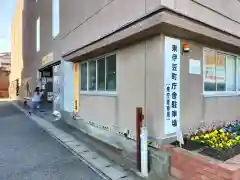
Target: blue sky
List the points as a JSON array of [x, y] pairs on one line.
[[6, 14]]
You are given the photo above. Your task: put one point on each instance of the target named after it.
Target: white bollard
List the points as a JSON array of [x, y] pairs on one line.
[[144, 152]]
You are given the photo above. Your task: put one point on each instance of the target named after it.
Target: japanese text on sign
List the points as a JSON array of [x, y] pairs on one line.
[[172, 85]]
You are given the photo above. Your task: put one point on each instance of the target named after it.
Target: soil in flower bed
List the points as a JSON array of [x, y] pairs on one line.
[[222, 155], [189, 145], [219, 141]]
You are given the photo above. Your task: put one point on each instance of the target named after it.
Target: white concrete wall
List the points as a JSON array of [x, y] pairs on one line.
[[131, 88], [99, 109], [221, 14], [120, 110], [130, 84], [68, 87], [89, 21]]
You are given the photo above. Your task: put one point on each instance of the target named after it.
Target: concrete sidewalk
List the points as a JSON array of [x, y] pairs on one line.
[[83, 147], [29, 152], [121, 151]]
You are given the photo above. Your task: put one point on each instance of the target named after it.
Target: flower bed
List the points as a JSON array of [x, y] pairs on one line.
[[221, 142], [186, 165]]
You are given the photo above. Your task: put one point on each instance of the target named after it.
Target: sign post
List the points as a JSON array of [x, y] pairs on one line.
[[139, 119], [172, 85], [144, 151]]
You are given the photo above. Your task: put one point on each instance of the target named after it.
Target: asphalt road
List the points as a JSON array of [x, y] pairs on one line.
[[29, 153]]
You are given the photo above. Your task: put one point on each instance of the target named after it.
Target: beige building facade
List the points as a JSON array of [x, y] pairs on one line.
[[114, 56]]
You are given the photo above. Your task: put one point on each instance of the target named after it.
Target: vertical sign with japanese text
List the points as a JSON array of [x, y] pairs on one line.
[[171, 85]]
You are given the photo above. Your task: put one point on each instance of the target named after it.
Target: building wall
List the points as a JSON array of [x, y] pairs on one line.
[[32, 57], [5, 66], [104, 17], [119, 110], [16, 45], [5, 61], [197, 108], [80, 17], [133, 62], [25, 59], [44, 8], [83, 22], [214, 13], [30, 60], [4, 83]]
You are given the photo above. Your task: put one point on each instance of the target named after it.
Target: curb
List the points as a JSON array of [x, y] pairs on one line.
[[40, 122]]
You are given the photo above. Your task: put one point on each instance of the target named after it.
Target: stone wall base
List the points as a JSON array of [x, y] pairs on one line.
[[186, 165]]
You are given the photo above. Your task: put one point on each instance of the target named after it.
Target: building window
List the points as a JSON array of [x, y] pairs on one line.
[[55, 18], [38, 34], [101, 64], [221, 72], [231, 62], [83, 76], [111, 73], [92, 75], [99, 74]]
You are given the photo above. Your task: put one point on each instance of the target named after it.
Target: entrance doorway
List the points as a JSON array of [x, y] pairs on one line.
[[46, 83], [50, 82]]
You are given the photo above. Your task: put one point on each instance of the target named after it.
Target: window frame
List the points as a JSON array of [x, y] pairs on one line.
[[99, 92], [55, 30], [84, 62], [88, 63], [38, 34], [106, 72], [220, 93], [97, 59]]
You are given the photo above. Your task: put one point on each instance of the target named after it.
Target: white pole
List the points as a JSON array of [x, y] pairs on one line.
[[143, 133], [144, 152]]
